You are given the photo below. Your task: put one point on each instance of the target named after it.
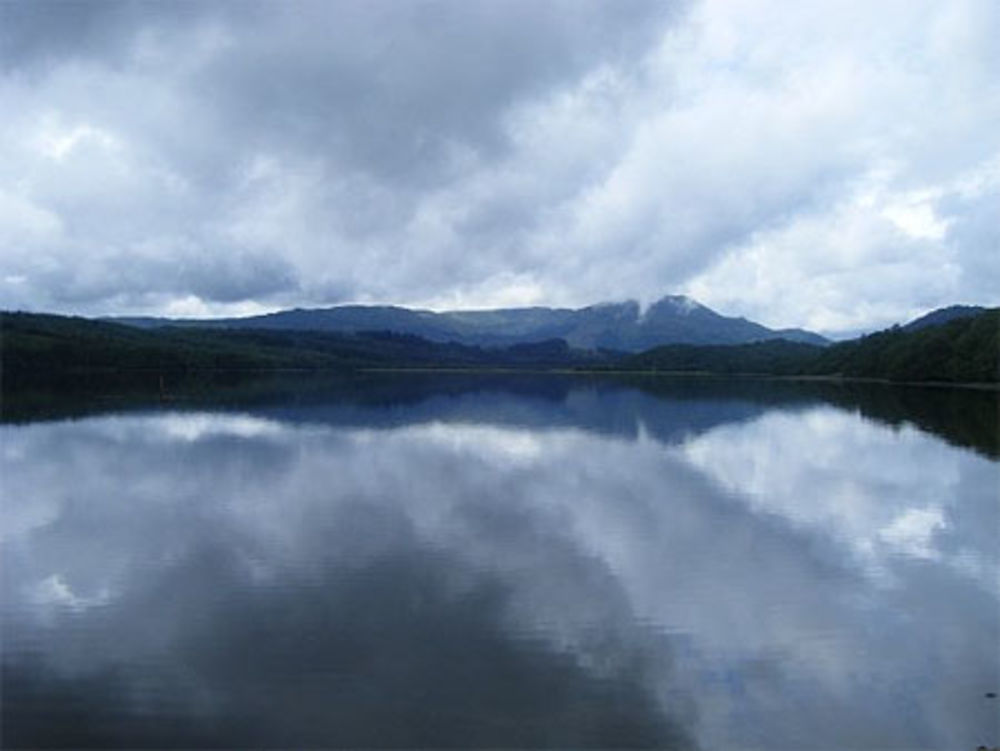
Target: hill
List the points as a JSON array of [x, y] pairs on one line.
[[620, 326], [943, 315], [34, 345], [962, 349]]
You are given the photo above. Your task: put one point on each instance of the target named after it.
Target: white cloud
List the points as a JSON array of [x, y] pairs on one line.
[[899, 500], [912, 531]]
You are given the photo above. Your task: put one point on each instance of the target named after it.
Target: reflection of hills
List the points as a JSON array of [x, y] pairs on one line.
[[963, 417], [594, 405], [668, 409]]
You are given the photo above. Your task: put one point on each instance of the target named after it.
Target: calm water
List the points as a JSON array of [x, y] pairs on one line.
[[533, 562]]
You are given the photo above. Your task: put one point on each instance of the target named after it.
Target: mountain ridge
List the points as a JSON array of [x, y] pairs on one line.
[[37, 348], [623, 326]]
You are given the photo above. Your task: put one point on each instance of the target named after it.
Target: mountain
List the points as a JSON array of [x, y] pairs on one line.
[[943, 315], [622, 326]]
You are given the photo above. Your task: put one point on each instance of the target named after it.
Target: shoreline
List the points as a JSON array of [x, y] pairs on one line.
[[497, 370]]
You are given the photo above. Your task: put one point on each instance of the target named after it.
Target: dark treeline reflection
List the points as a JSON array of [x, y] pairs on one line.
[[962, 416], [502, 562]]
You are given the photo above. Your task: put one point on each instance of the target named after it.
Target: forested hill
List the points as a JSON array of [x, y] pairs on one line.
[[943, 315], [34, 345], [766, 358], [964, 349]]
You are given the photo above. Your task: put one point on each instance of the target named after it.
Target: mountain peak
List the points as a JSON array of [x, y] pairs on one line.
[[681, 304]]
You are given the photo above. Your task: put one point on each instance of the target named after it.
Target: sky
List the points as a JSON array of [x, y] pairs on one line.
[[831, 165]]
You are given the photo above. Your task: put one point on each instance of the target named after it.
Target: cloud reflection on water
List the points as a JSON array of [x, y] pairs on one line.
[[720, 575]]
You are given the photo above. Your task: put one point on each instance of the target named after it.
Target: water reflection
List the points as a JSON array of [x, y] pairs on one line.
[[962, 417], [595, 567]]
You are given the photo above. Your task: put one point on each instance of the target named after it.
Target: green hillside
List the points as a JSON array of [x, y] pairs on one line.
[[963, 350], [778, 357]]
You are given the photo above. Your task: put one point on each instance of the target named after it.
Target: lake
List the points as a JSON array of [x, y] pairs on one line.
[[504, 561]]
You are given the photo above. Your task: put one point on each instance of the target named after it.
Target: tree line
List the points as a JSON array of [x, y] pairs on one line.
[[963, 350]]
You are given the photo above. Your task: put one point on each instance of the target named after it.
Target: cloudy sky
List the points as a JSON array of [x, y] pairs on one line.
[[834, 165]]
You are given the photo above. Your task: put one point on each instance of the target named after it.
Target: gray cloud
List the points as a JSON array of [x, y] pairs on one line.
[[392, 90], [38, 35], [484, 153]]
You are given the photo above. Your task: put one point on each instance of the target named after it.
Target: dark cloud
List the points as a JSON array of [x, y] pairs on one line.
[[51, 32], [381, 87], [399, 91]]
